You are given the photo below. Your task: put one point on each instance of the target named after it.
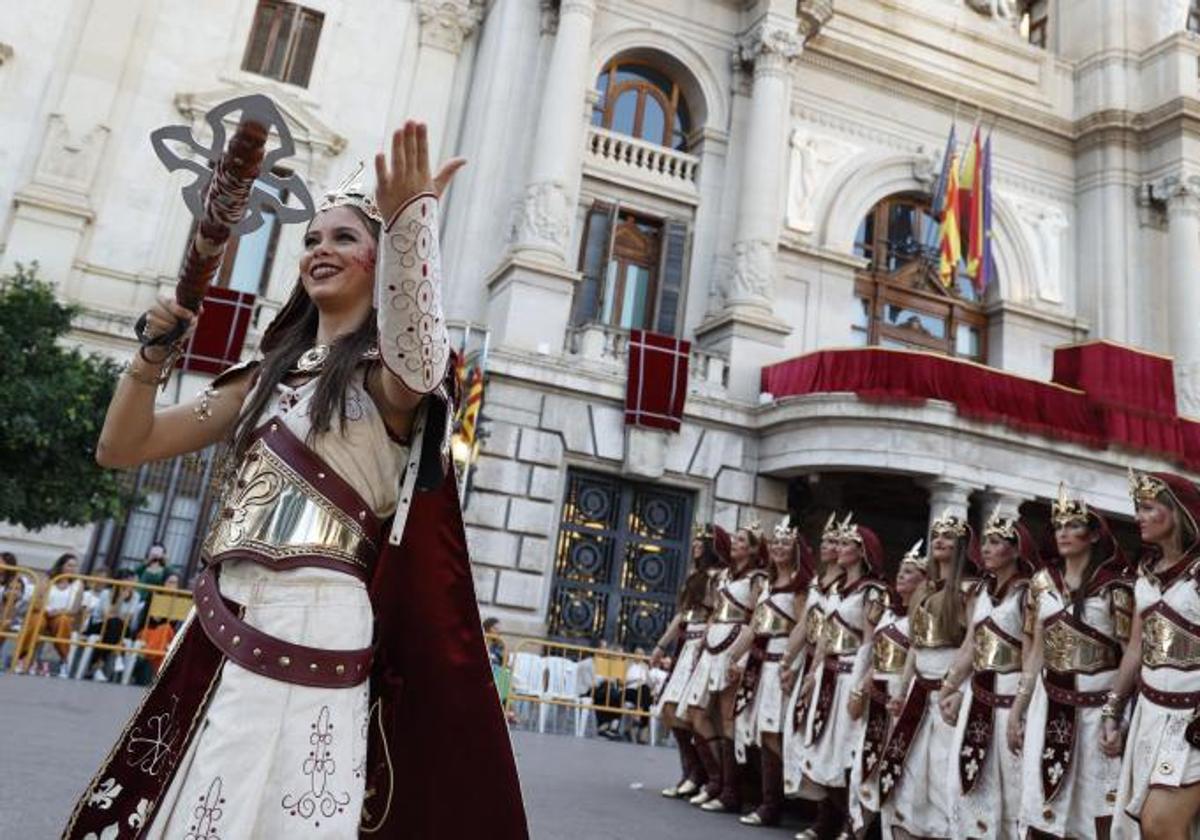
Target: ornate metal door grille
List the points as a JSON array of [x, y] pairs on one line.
[[621, 556]]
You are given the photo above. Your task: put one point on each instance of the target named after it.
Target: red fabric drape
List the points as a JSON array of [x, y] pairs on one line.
[[658, 380], [1103, 394]]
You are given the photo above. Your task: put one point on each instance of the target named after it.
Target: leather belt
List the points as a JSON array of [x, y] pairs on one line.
[[996, 701], [269, 656], [928, 684], [692, 635], [1171, 699], [773, 657], [1091, 699]]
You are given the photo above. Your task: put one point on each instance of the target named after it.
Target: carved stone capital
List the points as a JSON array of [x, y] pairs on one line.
[[812, 15], [541, 220], [1177, 194], [770, 48], [445, 24]]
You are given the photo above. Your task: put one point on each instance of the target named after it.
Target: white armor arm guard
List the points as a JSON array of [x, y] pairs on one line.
[[413, 341]]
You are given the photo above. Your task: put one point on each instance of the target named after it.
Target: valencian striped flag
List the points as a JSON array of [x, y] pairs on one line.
[[980, 267], [950, 241], [470, 386]]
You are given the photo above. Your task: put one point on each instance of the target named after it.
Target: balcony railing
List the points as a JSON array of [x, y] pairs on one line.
[[638, 163], [607, 346]]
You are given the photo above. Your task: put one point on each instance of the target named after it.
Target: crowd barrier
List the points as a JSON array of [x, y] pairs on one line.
[[588, 683], [137, 622]]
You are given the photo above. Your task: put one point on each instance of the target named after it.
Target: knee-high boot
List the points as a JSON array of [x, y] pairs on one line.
[[689, 760], [771, 809], [707, 750], [728, 799]]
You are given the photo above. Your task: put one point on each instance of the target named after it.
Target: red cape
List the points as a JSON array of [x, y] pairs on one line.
[[440, 760]]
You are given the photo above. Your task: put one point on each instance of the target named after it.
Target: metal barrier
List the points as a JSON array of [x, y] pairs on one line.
[[19, 587], [589, 680], [78, 631]]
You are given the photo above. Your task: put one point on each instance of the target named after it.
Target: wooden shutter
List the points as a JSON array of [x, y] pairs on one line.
[[594, 253], [672, 278]]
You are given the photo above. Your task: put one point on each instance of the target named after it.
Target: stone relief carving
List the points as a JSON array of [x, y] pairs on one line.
[[1045, 226], [69, 161], [813, 157], [541, 217], [445, 24], [1003, 9], [768, 45], [753, 275]]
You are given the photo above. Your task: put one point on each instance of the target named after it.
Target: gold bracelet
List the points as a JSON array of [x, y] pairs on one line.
[[137, 375]]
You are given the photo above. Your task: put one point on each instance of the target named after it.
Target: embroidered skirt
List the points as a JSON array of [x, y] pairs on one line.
[[764, 714], [272, 759], [673, 691], [832, 735], [1157, 754], [793, 740], [712, 668], [990, 811]]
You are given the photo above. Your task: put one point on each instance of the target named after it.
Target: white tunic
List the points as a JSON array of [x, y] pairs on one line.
[[992, 807], [1089, 789], [685, 663], [1157, 753], [765, 713], [274, 759], [816, 605], [712, 670]]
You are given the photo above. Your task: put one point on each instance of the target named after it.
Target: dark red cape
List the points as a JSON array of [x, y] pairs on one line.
[[449, 769]]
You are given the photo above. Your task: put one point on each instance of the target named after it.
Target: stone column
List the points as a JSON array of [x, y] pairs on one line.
[[993, 501], [529, 296], [947, 496], [1183, 289], [746, 328], [445, 24]]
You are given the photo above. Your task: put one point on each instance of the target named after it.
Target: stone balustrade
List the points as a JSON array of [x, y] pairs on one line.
[[638, 163]]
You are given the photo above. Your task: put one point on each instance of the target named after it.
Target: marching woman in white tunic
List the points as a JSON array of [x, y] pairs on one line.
[[759, 706], [710, 692], [985, 776], [798, 660], [889, 654], [838, 684], [1160, 776], [690, 623], [1077, 623], [915, 796], [258, 724]]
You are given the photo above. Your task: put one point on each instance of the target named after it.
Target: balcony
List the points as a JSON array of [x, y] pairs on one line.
[[639, 165], [606, 347]]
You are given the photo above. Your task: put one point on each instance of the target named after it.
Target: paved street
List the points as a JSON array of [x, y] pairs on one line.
[[54, 733]]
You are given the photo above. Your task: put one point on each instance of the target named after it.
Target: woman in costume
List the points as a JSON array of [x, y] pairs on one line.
[[758, 710], [710, 693], [985, 776], [914, 795], [274, 715], [1077, 623], [1159, 790], [798, 659], [889, 654], [837, 686], [690, 623]]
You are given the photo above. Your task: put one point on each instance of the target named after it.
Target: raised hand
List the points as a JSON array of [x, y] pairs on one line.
[[408, 173]]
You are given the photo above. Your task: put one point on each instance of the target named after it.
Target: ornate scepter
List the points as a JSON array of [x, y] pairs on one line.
[[224, 198]]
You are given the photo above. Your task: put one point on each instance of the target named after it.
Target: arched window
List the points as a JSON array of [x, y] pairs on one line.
[[899, 300], [640, 100]]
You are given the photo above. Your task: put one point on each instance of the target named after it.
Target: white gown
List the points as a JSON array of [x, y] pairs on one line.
[[816, 604], [711, 675], [274, 759]]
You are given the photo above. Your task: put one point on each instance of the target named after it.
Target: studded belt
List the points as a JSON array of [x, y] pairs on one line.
[[269, 656], [1171, 699], [1090, 699], [991, 698]]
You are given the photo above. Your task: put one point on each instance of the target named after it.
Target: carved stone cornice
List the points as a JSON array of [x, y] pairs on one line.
[[308, 131], [812, 15], [445, 24], [770, 48]]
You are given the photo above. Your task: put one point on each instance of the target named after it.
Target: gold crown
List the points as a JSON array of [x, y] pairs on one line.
[[784, 531], [915, 558], [350, 193], [1065, 510], [830, 531], [1001, 526], [849, 531], [949, 524], [702, 531], [1144, 487]]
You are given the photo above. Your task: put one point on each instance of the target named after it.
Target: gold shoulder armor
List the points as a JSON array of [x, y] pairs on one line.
[[875, 601]]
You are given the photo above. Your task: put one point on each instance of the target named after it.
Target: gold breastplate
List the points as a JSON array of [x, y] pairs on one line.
[[814, 625], [768, 621], [889, 655], [1167, 645], [993, 652], [840, 640], [925, 629], [1070, 651], [696, 615], [276, 515], [728, 611]]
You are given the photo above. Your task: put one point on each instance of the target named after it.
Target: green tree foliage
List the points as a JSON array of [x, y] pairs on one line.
[[52, 404]]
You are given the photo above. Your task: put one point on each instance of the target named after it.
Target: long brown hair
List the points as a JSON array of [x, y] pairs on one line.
[[283, 346], [951, 609]]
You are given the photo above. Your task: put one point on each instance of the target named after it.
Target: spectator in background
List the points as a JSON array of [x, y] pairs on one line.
[[16, 591], [115, 619], [55, 616], [607, 694], [152, 573], [495, 647]]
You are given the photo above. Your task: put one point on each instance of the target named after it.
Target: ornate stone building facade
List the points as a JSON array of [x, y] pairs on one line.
[[751, 175]]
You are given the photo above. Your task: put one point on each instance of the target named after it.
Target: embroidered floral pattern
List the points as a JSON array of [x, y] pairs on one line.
[[207, 814], [108, 833], [138, 818], [104, 794], [318, 802], [151, 746]]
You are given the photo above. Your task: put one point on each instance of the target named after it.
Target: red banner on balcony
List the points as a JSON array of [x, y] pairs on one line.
[[1103, 394], [658, 380], [221, 332]]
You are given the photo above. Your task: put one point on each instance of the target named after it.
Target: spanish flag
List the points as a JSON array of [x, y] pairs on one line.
[[950, 245]]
